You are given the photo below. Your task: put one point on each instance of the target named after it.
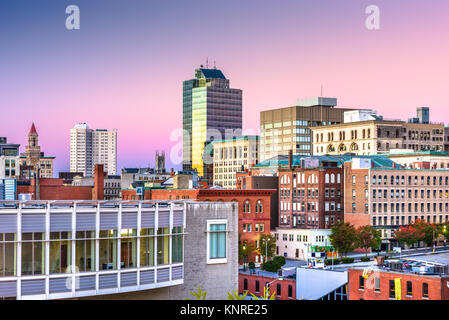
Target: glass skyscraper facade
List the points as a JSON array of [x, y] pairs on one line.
[[211, 111]]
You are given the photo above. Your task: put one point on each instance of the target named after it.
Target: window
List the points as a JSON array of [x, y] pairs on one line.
[[85, 251], [290, 291], [257, 286], [361, 282], [163, 243], [392, 289], [128, 248], [409, 288], [108, 249], [176, 243], [60, 251], [245, 284], [377, 284], [216, 241], [147, 247], [278, 290], [425, 290], [33, 253], [7, 254]]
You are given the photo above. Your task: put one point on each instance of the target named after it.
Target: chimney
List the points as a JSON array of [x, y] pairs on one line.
[[290, 158], [99, 182]]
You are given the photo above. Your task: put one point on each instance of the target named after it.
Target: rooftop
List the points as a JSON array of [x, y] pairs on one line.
[[380, 161], [212, 73]]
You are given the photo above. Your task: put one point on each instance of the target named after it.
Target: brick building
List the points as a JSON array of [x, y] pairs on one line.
[[56, 189], [417, 278], [284, 288], [379, 192], [311, 193]]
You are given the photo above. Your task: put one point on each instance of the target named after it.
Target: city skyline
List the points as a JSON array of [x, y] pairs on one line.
[[125, 63]]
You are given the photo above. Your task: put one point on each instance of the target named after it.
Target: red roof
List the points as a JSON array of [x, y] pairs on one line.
[[33, 129]]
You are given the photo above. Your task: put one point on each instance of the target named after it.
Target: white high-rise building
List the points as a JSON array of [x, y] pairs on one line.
[[89, 147]]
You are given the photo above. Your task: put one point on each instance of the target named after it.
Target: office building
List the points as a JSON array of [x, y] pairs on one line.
[[89, 147], [141, 250], [232, 156], [379, 192], [288, 128], [212, 110], [369, 137]]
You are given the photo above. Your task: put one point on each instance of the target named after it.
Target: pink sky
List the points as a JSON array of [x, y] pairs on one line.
[[129, 75]]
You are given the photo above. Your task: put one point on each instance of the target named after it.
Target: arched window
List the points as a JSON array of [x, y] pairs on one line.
[[338, 178], [259, 206], [326, 178], [342, 148], [354, 147], [332, 178], [330, 148], [246, 207]]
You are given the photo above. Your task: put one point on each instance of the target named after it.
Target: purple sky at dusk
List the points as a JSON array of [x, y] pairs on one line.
[[124, 68]]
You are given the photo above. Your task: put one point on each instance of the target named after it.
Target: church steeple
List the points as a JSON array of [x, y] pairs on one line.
[[33, 129], [33, 151]]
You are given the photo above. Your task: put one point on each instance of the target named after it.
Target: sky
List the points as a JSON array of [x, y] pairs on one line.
[[124, 67]]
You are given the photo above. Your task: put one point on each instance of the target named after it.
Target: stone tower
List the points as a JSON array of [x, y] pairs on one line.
[[159, 165], [33, 150]]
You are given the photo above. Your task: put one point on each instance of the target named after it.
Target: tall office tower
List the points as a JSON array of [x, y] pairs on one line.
[[104, 150], [211, 111], [288, 128], [159, 164], [89, 147], [423, 114], [81, 149]]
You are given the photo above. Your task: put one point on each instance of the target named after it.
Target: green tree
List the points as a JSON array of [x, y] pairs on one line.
[[428, 229], [408, 235], [267, 246], [245, 248], [344, 237], [368, 238]]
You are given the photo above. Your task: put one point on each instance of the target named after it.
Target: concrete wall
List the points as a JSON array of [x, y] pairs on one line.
[[216, 279]]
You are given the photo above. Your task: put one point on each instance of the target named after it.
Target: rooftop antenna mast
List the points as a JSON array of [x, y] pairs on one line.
[[215, 65], [207, 62]]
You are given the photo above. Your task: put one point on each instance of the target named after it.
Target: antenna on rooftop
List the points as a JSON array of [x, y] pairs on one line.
[[207, 62], [215, 65]]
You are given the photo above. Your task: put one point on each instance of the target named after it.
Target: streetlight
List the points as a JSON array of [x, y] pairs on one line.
[[444, 234], [266, 247]]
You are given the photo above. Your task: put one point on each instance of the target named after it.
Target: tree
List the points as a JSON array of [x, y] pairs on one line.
[[267, 246], [368, 238], [409, 235], [429, 230], [245, 248], [344, 237], [236, 296]]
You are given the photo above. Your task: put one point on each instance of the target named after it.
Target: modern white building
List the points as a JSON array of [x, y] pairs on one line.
[[140, 249], [89, 147], [299, 243]]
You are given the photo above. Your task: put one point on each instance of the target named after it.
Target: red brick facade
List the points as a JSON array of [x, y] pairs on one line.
[[248, 283], [310, 198], [438, 287]]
